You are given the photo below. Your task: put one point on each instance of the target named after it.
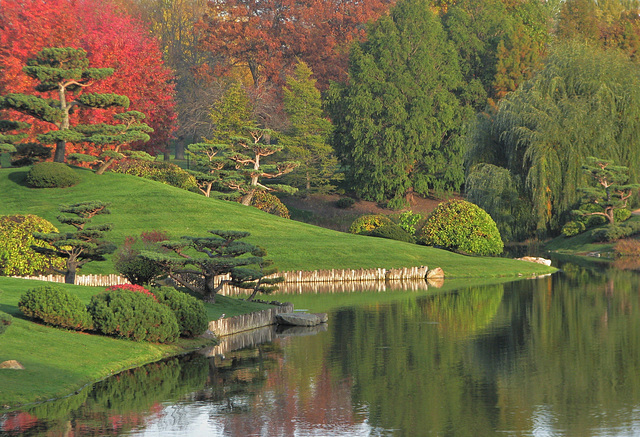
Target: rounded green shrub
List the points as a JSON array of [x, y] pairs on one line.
[[164, 172], [620, 215], [56, 306], [267, 202], [367, 223], [189, 311], [17, 258], [573, 228], [345, 202], [5, 321], [133, 315], [393, 232], [462, 227], [51, 175]]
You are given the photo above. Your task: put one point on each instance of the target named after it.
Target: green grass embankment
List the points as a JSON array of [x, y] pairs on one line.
[[58, 362], [139, 205]]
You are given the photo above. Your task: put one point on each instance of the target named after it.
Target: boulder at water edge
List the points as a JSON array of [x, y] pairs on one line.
[[301, 319]]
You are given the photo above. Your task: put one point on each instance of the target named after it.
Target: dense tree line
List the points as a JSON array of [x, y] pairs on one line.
[[502, 100]]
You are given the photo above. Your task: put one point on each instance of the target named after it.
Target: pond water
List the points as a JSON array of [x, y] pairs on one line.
[[556, 356]]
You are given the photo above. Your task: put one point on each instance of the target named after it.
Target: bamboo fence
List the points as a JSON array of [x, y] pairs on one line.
[[247, 322]]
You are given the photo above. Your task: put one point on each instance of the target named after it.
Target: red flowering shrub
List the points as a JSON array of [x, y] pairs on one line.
[[134, 288]]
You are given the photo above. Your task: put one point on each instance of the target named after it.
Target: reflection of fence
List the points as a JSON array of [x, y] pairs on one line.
[[337, 287], [348, 280], [245, 322]]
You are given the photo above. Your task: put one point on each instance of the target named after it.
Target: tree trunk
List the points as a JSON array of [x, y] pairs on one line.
[[247, 198], [60, 151], [210, 289], [70, 274], [179, 150]]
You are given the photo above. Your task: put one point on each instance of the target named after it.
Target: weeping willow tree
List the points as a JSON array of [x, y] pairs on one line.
[[584, 102]]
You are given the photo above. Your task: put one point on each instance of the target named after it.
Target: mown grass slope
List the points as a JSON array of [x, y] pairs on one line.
[[141, 205]]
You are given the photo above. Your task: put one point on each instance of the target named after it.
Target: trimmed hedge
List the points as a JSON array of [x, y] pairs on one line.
[[51, 175], [267, 202], [393, 232], [17, 258], [367, 223], [56, 306], [133, 315], [159, 171], [189, 311], [463, 227]]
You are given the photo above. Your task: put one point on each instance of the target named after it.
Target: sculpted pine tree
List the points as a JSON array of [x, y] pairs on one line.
[[110, 140], [64, 75], [208, 161], [611, 191], [84, 245], [195, 262]]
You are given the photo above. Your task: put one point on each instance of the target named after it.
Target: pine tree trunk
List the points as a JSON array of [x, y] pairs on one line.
[[60, 151], [70, 274], [209, 289]]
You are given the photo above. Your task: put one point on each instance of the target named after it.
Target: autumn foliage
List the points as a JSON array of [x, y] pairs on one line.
[[111, 38], [266, 37]]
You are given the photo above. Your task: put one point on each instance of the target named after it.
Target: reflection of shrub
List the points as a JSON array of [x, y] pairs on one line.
[[51, 175], [56, 306], [133, 315], [189, 311], [392, 232], [367, 223], [16, 238], [462, 227], [60, 408], [5, 321], [267, 202]]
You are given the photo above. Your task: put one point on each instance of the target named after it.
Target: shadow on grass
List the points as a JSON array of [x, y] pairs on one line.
[[19, 177]]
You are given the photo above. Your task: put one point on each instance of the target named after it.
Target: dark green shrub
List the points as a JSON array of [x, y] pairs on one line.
[[408, 221], [267, 202], [17, 258], [615, 232], [51, 175], [56, 306], [159, 171], [345, 202], [133, 315], [393, 232], [463, 227], [573, 228], [138, 270], [5, 321], [189, 311], [367, 223]]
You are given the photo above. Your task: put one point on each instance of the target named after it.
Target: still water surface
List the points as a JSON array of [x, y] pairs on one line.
[[556, 356]]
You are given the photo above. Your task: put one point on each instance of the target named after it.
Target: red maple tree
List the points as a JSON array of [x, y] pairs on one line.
[[111, 38]]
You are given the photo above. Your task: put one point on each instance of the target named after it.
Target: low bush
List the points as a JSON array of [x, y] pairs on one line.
[[133, 315], [267, 202], [616, 231], [5, 321], [345, 202], [573, 228], [17, 258], [621, 215], [393, 232], [462, 227], [134, 288], [51, 175], [408, 221], [56, 306], [627, 247], [367, 223], [189, 311], [138, 270], [159, 171]]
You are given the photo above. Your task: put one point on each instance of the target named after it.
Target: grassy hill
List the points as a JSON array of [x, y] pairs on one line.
[[141, 205]]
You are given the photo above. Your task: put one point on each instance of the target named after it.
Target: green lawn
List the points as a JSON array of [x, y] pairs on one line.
[[140, 205], [58, 361]]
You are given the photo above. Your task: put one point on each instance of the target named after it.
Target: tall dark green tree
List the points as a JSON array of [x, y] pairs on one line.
[[585, 102], [307, 138], [81, 246], [64, 75], [397, 121]]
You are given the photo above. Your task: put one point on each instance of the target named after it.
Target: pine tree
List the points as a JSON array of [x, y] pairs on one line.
[[397, 122], [8, 136], [84, 245], [195, 262], [208, 161], [306, 140], [64, 74]]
